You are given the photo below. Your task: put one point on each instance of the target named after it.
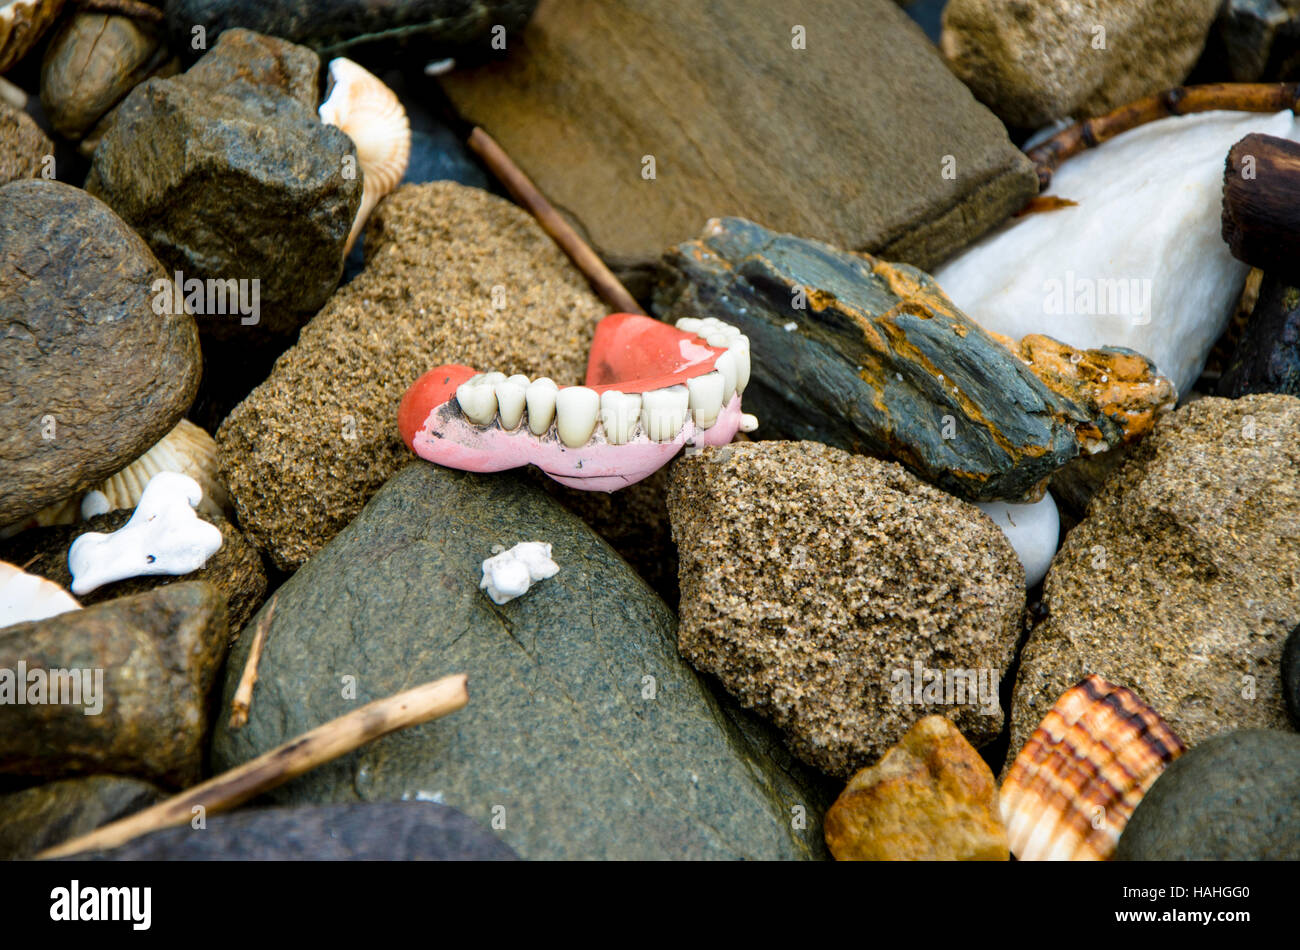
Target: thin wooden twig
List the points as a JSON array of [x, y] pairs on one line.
[[322, 744], [1181, 100], [132, 8], [602, 279], [243, 700]]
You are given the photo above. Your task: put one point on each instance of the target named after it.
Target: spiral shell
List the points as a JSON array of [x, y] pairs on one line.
[[371, 115], [21, 24], [25, 597], [1075, 784]]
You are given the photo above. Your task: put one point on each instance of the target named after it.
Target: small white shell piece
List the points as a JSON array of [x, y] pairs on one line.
[[25, 597], [164, 536], [511, 573], [371, 115]]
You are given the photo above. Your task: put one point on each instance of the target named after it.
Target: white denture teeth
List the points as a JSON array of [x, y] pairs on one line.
[[748, 423], [726, 365], [739, 347], [540, 397], [689, 325], [510, 395], [576, 409], [619, 414], [705, 398], [663, 412], [478, 399]]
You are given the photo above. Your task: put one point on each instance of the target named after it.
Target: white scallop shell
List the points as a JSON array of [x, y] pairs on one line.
[[25, 597], [371, 115]]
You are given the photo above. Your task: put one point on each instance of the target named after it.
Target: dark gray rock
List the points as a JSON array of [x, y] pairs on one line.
[[1267, 357], [236, 569], [149, 659], [1291, 676], [586, 735], [873, 357], [228, 173], [374, 831], [90, 375], [435, 28], [37, 818], [1235, 797], [1255, 41]]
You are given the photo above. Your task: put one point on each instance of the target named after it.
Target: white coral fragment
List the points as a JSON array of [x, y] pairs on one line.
[[164, 536], [511, 573], [25, 597]]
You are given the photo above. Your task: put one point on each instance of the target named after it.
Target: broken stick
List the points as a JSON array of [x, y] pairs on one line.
[[322, 744], [602, 279], [243, 700]]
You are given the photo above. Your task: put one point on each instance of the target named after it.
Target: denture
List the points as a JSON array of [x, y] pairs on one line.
[[651, 389]]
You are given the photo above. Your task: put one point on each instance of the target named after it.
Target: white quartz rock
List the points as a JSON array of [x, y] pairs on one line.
[[164, 536], [509, 574], [1148, 215], [1034, 530]]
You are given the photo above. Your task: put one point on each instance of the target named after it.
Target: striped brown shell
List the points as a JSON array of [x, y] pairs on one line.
[[1074, 785]]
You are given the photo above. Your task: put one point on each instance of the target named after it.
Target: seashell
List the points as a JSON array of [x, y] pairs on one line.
[[25, 597], [187, 449], [371, 115], [22, 22], [94, 60], [1074, 785]]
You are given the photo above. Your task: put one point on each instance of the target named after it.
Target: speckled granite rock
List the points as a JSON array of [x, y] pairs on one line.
[[931, 798], [45, 815], [1235, 797], [741, 122], [1032, 61], [236, 136], [307, 448], [586, 735], [235, 570], [23, 146], [1183, 580], [90, 376], [159, 653], [373, 831], [813, 582]]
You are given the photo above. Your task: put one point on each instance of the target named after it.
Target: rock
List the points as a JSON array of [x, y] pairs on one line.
[[817, 585], [372, 831], [1232, 798], [1034, 62], [931, 798], [235, 570], [873, 357], [1291, 676], [93, 61], [149, 659], [1184, 579], [97, 376], [1033, 530], [580, 677], [23, 146], [237, 136], [433, 28], [1267, 357], [1138, 263], [797, 122], [308, 447], [45, 815], [1255, 41], [1074, 484]]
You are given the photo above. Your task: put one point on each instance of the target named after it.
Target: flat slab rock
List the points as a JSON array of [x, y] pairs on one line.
[[1183, 581], [90, 376], [159, 653], [845, 140], [820, 587], [310, 445], [371, 831], [586, 735]]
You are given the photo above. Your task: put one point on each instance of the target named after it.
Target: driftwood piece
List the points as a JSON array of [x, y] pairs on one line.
[[1261, 204], [322, 744], [243, 700], [1181, 100]]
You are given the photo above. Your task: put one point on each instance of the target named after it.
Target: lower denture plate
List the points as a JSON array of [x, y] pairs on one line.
[[576, 409]]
